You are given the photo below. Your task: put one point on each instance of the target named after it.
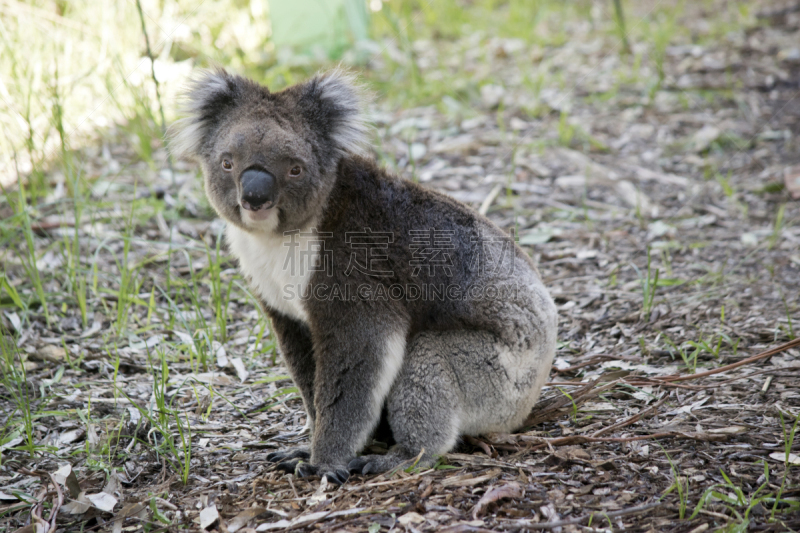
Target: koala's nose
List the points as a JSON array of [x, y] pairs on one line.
[[258, 189]]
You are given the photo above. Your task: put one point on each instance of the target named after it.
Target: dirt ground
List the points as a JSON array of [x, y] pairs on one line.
[[666, 226]]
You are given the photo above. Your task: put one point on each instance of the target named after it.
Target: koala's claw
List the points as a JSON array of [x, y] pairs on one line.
[[378, 464], [373, 464], [338, 476], [288, 466], [356, 466], [286, 455], [335, 475]]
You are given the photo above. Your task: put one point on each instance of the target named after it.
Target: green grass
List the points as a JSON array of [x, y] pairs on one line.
[[18, 392], [741, 505], [30, 256], [171, 439], [649, 283], [680, 485]]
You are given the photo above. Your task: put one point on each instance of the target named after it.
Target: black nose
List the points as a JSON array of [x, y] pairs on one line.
[[258, 189]]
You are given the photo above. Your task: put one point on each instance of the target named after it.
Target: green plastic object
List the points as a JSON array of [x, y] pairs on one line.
[[314, 26]]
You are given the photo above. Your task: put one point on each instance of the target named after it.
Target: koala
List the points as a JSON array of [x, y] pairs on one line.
[[389, 301]]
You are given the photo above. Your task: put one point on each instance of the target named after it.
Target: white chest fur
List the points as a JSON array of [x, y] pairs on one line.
[[278, 267]]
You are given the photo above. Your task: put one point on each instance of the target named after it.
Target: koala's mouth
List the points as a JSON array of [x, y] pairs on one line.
[[260, 212], [263, 207]]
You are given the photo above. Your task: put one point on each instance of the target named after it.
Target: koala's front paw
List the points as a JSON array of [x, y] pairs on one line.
[[335, 474], [378, 464], [291, 453], [373, 464], [288, 466]]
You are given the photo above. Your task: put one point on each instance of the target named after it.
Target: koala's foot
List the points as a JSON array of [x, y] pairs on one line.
[[291, 453], [378, 464], [335, 474]]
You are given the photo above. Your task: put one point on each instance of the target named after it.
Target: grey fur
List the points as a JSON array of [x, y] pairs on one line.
[[438, 368]]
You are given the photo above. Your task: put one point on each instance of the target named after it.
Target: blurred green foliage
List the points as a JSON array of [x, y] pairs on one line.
[[71, 71]]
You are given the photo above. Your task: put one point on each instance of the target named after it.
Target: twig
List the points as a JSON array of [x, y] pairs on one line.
[[632, 419], [526, 524], [43, 227], [543, 409], [762, 355], [576, 398], [480, 444], [294, 490], [541, 442], [594, 360], [487, 202], [158, 90], [36, 511], [57, 504], [645, 381]]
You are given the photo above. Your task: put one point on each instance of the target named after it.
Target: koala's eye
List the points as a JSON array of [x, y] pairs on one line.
[[227, 165], [295, 171]]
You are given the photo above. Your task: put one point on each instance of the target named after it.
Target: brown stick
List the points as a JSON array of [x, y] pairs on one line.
[[594, 360], [43, 227], [640, 381], [762, 355], [631, 420], [57, 504], [576, 397], [541, 442], [525, 524]]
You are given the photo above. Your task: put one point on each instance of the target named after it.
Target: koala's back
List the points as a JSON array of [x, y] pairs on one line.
[[493, 326], [470, 274]]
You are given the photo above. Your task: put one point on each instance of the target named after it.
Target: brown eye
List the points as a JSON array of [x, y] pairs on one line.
[[295, 171], [227, 165]]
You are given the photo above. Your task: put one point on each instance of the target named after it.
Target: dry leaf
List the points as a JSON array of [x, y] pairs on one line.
[[510, 490], [732, 430], [48, 352], [208, 516], [307, 519], [68, 437], [222, 355], [794, 459], [134, 509], [549, 512], [241, 371], [791, 177], [410, 518], [241, 519], [91, 436], [103, 501], [213, 378], [469, 480], [319, 495], [77, 506], [10, 444], [66, 476], [704, 137]]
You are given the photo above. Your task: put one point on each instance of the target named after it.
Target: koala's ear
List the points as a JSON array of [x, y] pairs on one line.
[[333, 103], [208, 95]]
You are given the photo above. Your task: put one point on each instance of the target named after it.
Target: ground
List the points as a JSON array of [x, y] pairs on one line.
[[657, 189]]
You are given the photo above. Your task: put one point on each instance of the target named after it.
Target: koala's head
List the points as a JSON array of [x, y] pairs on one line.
[[269, 159]]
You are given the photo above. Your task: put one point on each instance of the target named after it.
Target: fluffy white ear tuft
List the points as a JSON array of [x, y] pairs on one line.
[[204, 97], [341, 103]]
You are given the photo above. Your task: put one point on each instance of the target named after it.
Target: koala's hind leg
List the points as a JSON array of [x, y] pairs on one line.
[[452, 384], [422, 409]]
